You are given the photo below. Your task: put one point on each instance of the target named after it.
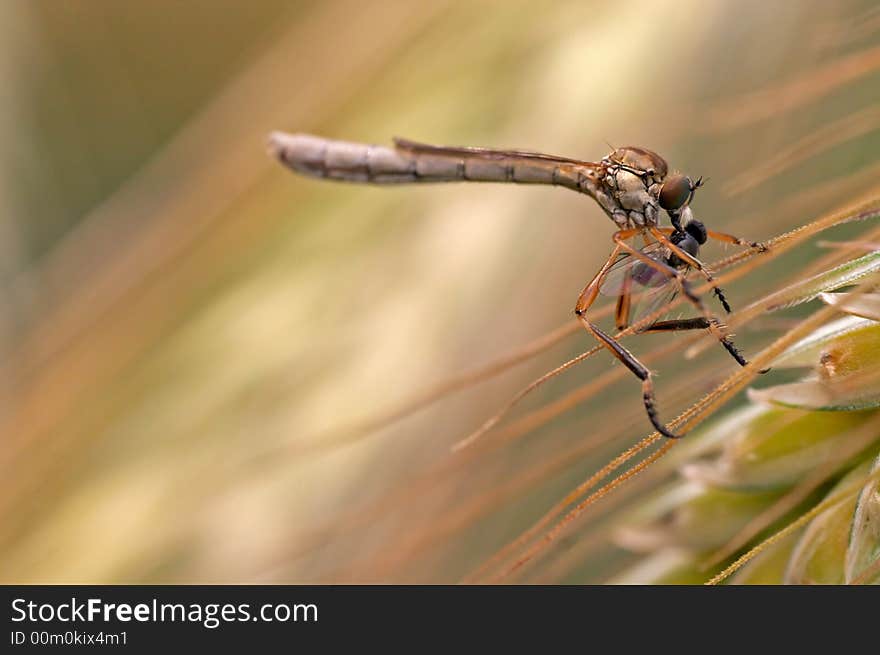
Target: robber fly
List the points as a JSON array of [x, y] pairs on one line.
[[633, 186]]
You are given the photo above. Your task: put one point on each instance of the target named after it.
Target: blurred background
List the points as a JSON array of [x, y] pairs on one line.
[[194, 340]]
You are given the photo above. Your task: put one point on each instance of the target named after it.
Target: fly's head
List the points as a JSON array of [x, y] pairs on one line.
[[689, 234], [676, 194], [677, 191]]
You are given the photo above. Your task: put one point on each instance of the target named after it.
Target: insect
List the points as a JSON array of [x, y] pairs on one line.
[[633, 185]]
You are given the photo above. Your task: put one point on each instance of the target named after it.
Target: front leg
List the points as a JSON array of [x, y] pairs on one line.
[[723, 237], [693, 262], [729, 238], [591, 291]]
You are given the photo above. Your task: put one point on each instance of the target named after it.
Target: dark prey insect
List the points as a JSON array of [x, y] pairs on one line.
[[632, 185]]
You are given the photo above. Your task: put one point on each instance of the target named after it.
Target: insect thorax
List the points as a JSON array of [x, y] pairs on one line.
[[631, 180]]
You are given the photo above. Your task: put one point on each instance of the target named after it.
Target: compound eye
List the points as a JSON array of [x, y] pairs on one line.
[[675, 192]]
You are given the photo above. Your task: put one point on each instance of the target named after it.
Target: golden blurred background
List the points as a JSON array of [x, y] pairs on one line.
[[188, 330]]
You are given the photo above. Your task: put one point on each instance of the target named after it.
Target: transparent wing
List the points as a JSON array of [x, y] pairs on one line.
[[486, 153], [631, 275], [652, 301], [650, 289]]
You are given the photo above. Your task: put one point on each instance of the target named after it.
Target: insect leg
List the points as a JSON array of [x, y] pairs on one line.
[[729, 238], [694, 262], [678, 325], [724, 238], [638, 369], [700, 323], [666, 269], [709, 321], [622, 308], [588, 295]]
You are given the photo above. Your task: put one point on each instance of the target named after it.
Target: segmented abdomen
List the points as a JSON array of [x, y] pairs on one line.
[[412, 163]]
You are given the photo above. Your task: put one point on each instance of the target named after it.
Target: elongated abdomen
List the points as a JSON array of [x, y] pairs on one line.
[[412, 163]]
